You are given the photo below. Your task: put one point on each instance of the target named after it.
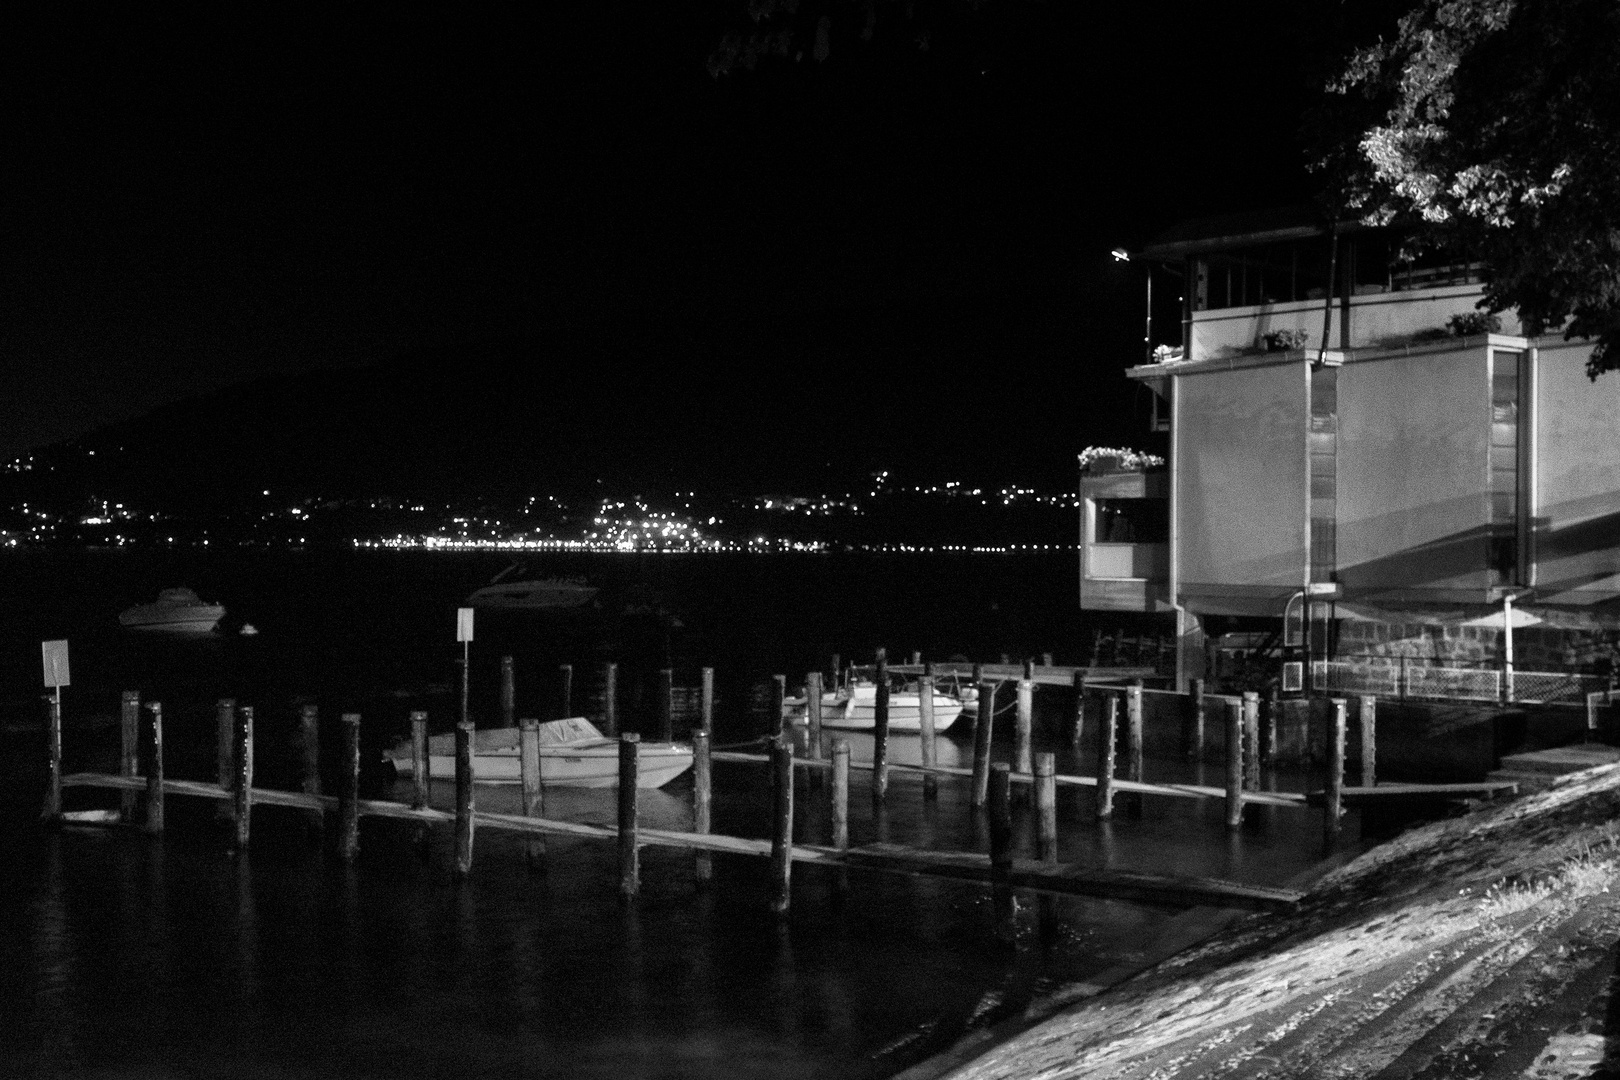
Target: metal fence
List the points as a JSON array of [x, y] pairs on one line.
[[1401, 679]]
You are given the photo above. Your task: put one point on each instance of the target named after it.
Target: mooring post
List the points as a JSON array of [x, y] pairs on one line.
[[1333, 805], [508, 693], [880, 733], [981, 742], [702, 774], [812, 719], [629, 824], [309, 737], [154, 768], [916, 658], [1107, 740], [1369, 740], [840, 801], [1079, 720], [1046, 659], [466, 716], [1272, 717], [610, 700], [1195, 719], [925, 721], [706, 702], [1024, 725], [1133, 744], [53, 739], [778, 722], [666, 704], [349, 789], [1046, 806], [420, 765], [225, 761], [464, 801], [129, 741], [242, 782], [534, 798], [1251, 740], [1234, 764], [1000, 794], [781, 823], [565, 691]]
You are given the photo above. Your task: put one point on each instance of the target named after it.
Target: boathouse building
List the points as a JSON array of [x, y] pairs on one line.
[[1360, 457]]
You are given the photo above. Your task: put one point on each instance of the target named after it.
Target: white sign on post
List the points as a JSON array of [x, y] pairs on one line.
[[55, 654], [464, 624]]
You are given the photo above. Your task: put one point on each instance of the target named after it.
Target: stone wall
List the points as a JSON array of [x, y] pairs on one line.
[[1535, 648]]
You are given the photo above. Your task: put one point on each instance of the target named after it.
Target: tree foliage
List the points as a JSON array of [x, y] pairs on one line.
[[1493, 128]]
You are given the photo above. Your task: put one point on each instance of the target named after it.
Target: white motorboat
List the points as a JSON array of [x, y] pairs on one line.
[[175, 611], [573, 753], [855, 708], [510, 590]]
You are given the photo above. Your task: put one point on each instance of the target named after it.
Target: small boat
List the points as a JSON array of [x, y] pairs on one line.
[[510, 590], [175, 611], [573, 753], [855, 708]]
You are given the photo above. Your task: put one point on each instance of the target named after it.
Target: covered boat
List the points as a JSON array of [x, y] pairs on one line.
[[175, 611], [855, 708], [573, 753]]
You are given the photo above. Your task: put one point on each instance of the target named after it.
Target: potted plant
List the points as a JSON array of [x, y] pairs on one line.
[[1284, 340]]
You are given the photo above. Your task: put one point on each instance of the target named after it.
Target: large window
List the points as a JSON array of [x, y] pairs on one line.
[[1132, 521]]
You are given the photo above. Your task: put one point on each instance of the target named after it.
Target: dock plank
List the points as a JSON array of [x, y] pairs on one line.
[[1489, 789]]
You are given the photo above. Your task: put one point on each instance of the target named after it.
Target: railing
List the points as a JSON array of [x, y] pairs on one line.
[[1403, 679]]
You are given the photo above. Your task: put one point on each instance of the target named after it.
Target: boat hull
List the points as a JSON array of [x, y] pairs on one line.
[[561, 766], [158, 618], [858, 712]]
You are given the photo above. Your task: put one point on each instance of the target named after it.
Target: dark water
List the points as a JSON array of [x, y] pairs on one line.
[[125, 956]]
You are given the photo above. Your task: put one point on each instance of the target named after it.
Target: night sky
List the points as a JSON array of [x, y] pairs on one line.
[[200, 195]]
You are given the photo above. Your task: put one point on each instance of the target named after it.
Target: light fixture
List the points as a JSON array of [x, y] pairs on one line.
[[1121, 255]]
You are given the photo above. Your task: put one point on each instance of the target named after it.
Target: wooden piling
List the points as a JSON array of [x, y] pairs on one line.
[[702, 777], [916, 658], [309, 737], [1107, 740], [1195, 719], [981, 741], [1333, 805], [925, 721], [534, 799], [154, 768], [1046, 807], [610, 700], [1369, 741], [565, 691], [1000, 795], [349, 789], [779, 721], [420, 765], [629, 824], [466, 716], [53, 739], [880, 733], [508, 694], [666, 704], [1251, 740], [1133, 731], [1024, 724], [1077, 732], [706, 702], [840, 801], [129, 741], [225, 761], [1234, 764], [781, 823], [464, 801], [242, 782]]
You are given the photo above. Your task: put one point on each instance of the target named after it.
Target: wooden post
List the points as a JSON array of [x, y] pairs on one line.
[[1133, 731], [349, 789], [466, 717], [464, 801], [1333, 805], [1046, 806], [1024, 725], [925, 720], [242, 782], [534, 799], [610, 701], [701, 779], [1107, 738], [840, 802], [1369, 741], [154, 769], [666, 704], [420, 764], [812, 719], [309, 733], [129, 749], [53, 740], [1046, 659], [1234, 764], [981, 741], [629, 853], [1195, 719], [706, 702], [225, 761], [1251, 740], [837, 670], [508, 694], [1029, 670], [916, 658], [565, 692], [1000, 822], [880, 733], [1079, 729], [781, 823], [779, 722]]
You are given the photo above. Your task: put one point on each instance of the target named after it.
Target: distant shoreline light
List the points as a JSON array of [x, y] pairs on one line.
[[760, 546]]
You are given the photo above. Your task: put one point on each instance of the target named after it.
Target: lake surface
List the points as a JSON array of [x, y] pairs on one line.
[[128, 956]]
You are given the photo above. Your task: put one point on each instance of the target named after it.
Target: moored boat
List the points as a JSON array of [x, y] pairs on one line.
[[573, 753], [855, 708], [175, 611], [511, 590]]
